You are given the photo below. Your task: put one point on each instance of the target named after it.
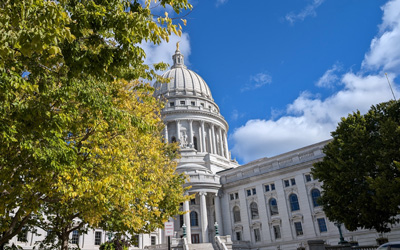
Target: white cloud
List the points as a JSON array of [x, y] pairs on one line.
[[257, 81], [310, 119], [220, 2], [309, 10], [329, 78], [164, 51]]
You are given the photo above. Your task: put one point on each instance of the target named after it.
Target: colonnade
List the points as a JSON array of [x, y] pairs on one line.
[[203, 216], [207, 141]]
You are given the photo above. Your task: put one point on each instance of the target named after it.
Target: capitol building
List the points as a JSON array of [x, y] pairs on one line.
[[267, 204]]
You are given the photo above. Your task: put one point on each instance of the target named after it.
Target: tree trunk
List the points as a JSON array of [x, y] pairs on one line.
[[64, 241]]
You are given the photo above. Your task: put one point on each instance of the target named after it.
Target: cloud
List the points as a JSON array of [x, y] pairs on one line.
[[329, 78], [220, 2], [310, 119], [257, 81], [309, 10], [236, 115], [164, 51]]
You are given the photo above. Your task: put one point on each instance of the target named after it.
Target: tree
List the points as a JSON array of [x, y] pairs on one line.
[[76, 126], [361, 171]]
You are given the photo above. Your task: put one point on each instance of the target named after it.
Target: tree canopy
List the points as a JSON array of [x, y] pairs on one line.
[[80, 133], [361, 169]]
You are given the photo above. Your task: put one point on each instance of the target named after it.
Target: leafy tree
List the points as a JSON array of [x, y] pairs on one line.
[[361, 170], [79, 134]]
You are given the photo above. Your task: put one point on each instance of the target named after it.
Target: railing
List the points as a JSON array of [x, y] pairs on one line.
[[185, 244], [350, 247], [220, 244]]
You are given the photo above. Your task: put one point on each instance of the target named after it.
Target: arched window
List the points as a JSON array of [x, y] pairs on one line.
[[195, 142], [315, 194], [254, 210], [194, 220], [273, 206], [173, 139], [236, 214], [294, 202]]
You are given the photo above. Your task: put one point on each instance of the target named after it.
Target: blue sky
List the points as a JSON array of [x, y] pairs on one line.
[[283, 72]]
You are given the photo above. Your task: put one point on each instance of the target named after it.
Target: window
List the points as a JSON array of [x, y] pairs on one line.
[[181, 220], [136, 241], [249, 192], [202, 104], [97, 238], [277, 232], [153, 240], [293, 181], [315, 194], [173, 139], [257, 235], [254, 191], [182, 102], [266, 188], [234, 196], [294, 202], [254, 210], [269, 187], [195, 142], [272, 186], [236, 214], [273, 207], [287, 184], [194, 220], [193, 103], [308, 178], [23, 235], [322, 225], [238, 236], [298, 228], [75, 237], [193, 202], [171, 104]]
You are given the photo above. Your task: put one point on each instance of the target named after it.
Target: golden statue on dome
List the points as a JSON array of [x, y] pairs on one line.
[[177, 45]]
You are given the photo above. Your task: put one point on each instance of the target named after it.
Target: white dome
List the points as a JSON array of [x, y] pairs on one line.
[[182, 81]]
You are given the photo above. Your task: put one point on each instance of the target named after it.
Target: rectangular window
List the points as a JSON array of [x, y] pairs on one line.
[[193, 103], [97, 238], [236, 195], [298, 228], [232, 197], [23, 235], [266, 188], [248, 192], [254, 191], [287, 184], [308, 178], [153, 240], [293, 181], [182, 102], [136, 241], [193, 202], [257, 235], [322, 225], [277, 232], [272, 186], [238, 236], [171, 104], [75, 237]]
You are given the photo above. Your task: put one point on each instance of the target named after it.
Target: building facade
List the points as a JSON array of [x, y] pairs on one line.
[[268, 204]]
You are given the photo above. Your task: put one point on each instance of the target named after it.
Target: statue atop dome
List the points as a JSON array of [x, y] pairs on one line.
[[177, 45]]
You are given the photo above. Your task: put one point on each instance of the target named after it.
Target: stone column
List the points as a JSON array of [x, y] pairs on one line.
[[191, 132], [210, 140], [226, 146], [204, 218], [141, 241], [159, 236], [166, 133], [178, 131], [214, 139], [200, 141], [221, 142], [218, 216], [186, 220], [203, 136]]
